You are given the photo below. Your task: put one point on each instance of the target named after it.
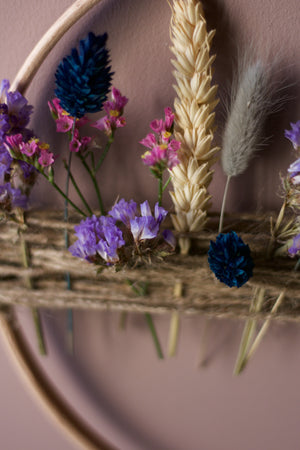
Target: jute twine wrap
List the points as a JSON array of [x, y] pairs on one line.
[[202, 293]]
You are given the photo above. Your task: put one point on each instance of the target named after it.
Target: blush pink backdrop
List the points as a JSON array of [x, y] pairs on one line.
[[115, 381]]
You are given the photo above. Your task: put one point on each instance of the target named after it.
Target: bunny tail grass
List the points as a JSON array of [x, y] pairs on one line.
[[251, 103]]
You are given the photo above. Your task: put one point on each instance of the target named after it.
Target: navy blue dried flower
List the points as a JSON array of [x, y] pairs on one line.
[[83, 79], [230, 259]]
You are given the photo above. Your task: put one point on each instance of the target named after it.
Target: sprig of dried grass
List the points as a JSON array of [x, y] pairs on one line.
[[194, 105], [252, 101]]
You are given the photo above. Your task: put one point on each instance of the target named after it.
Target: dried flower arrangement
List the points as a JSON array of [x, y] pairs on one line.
[[130, 245]]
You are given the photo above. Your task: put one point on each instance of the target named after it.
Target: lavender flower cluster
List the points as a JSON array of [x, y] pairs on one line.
[[125, 236], [15, 177], [292, 184]]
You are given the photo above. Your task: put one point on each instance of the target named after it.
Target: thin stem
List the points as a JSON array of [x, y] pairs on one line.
[[105, 151], [93, 161], [166, 183], [223, 204], [94, 181], [78, 190], [160, 190], [278, 222], [34, 311], [63, 195], [151, 326], [263, 329], [66, 211], [175, 321], [141, 290], [265, 326], [249, 330], [173, 333], [70, 332], [39, 330]]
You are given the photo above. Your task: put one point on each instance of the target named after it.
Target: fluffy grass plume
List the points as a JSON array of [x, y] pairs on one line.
[[194, 125], [251, 103]]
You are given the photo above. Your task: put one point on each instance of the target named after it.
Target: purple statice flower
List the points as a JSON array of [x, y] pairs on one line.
[[294, 172], [27, 169], [5, 163], [124, 211], [294, 134], [97, 236], [169, 238], [146, 226], [14, 112], [11, 198], [294, 249], [14, 118]]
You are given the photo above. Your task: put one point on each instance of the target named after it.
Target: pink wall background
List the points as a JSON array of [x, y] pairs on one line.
[[116, 382]]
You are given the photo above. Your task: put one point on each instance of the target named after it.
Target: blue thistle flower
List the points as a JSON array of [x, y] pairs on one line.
[[230, 259], [83, 78]]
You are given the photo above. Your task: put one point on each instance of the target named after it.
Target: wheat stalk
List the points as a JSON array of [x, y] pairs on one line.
[[194, 104]]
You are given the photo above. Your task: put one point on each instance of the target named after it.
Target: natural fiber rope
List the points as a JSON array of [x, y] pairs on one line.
[[202, 293]]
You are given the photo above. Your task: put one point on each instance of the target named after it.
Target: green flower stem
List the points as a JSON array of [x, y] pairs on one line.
[[66, 211], [166, 184], [78, 190], [160, 190], [175, 322], [105, 151], [141, 291], [39, 331], [247, 348], [249, 330], [93, 161], [151, 326], [264, 328], [70, 328], [94, 181], [34, 311], [173, 333], [262, 331], [63, 195]]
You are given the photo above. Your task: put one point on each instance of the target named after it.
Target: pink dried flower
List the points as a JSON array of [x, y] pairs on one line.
[[64, 124], [33, 152], [114, 111], [157, 125], [75, 145], [169, 118], [29, 148], [163, 149], [46, 158]]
